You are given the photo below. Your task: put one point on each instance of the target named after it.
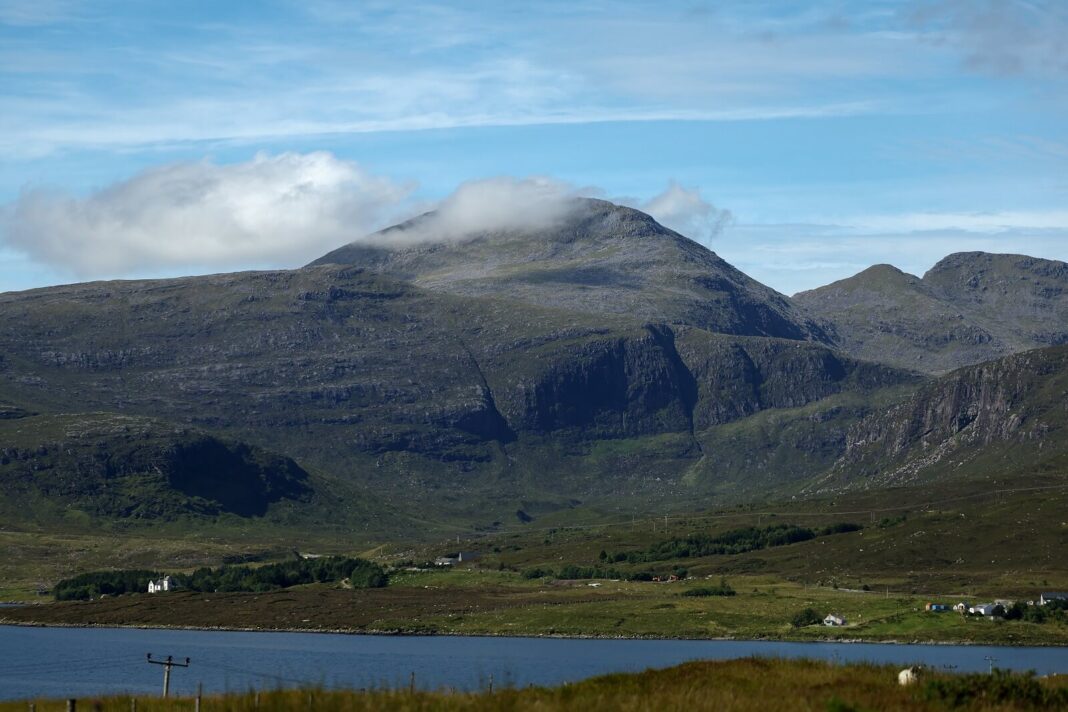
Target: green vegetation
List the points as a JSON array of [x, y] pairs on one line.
[[723, 589], [102, 583], [357, 573], [999, 688], [806, 617], [734, 541], [735, 685]]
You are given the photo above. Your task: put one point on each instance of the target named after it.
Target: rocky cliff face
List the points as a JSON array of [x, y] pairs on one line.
[[396, 389], [968, 308], [1012, 408]]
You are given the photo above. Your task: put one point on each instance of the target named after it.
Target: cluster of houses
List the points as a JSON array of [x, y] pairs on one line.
[[990, 609], [978, 609]]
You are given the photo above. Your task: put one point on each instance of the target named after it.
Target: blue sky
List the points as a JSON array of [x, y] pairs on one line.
[[155, 139]]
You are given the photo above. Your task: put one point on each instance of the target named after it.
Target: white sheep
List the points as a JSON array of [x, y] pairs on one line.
[[910, 675]]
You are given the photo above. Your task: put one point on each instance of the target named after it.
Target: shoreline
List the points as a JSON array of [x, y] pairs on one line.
[[558, 636]]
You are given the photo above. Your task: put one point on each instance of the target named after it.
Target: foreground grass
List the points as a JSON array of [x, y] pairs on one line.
[[748, 684]]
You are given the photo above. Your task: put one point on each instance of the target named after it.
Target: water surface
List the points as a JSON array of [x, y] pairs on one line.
[[81, 662]]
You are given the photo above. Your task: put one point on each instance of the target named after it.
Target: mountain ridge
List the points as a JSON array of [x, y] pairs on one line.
[[968, 308]]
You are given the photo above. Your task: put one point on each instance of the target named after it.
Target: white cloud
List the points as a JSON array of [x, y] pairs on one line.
[[285, 210], [492, 205], [277, 210], [686, 212]]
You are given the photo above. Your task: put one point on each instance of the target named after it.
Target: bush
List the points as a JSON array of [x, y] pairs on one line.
[[723, 589], [537, 572], [806, 617]]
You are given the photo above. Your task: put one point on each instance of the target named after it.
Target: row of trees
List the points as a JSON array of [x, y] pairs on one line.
[[360, 573], [733, 541], [97, 583]]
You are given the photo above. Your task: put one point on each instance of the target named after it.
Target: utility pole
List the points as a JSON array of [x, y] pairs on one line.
[[991, 659], [167, 665]]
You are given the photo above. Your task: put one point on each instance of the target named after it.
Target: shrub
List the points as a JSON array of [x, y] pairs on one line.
[[723, 589], [537, 572], [806, 617]]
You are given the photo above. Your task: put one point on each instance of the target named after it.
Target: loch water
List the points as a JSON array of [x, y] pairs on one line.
[[83, 662]]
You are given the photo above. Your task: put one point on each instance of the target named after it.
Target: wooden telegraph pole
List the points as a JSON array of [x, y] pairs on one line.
[[167, 665]]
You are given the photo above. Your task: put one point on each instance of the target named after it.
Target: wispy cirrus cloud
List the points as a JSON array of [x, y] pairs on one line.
[[325, 68]]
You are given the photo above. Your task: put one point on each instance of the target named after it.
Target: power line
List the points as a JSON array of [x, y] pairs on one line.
[[167, 664]]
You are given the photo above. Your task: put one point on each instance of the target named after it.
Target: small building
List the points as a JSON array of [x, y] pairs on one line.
[[936, 607], [446, 561], [468, 556], [162, 585], [833, 620], [961, 607], [1045, 598], [983, 609]]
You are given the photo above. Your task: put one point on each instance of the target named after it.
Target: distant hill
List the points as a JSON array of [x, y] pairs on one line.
[[604, 259], [968, 308]]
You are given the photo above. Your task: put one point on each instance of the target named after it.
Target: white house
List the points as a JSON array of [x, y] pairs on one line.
[[834, 620], [983, 609], [164, 584], [961, 607]]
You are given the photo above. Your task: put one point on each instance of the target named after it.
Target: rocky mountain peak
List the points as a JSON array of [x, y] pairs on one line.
[[595, 257]]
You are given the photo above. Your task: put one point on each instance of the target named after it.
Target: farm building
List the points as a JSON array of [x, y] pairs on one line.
[[936, 607], [164, 584], [834, 620], [1045, 598]]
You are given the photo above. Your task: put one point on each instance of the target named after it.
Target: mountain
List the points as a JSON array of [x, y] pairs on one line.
[[402, 400], [968, 308], [601, 259], [994, 420]]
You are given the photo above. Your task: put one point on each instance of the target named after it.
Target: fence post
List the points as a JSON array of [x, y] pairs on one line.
[[72, 705]]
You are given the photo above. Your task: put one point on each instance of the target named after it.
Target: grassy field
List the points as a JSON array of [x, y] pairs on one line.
[[948, 544], [503, 603], [749, 684]]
